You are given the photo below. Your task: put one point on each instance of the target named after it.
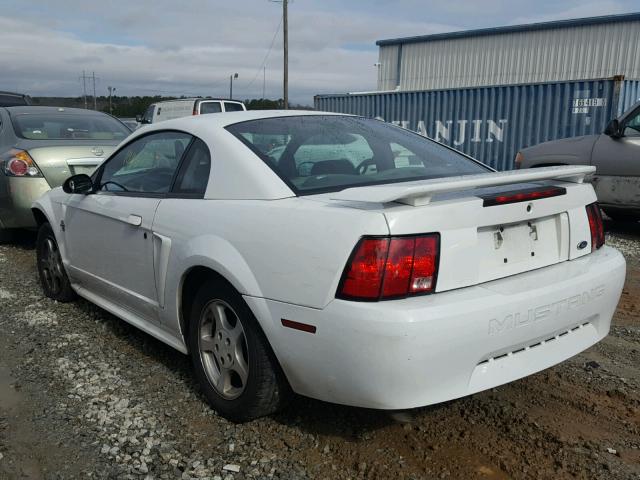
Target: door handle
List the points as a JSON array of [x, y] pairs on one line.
[[134, 220]]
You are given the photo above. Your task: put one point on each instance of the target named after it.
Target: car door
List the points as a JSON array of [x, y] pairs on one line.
[[617, 160], [108, 234]]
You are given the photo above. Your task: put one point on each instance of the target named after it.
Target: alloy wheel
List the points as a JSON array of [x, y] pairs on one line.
[[223, 349], [51, 266]]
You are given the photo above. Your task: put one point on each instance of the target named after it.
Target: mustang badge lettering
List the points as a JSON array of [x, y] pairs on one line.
[[543, 312]]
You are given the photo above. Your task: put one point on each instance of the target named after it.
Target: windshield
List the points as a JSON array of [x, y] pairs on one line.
[[323, 153], [68, 126]]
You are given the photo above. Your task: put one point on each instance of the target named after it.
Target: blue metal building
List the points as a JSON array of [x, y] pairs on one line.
[[490, 92]]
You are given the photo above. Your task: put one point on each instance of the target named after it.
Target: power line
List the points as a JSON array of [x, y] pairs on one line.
[[264, 61], [84, 88], [84, 79]]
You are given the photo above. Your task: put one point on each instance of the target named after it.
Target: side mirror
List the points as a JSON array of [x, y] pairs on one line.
[[80, 183], [613, 129]]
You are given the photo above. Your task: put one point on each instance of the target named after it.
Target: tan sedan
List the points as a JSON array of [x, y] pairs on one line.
[[42, 146]]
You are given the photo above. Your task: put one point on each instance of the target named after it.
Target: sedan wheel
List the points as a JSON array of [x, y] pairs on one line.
[[53, 276], [233, 361]]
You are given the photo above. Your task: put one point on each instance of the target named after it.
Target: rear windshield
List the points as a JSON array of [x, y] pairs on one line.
[[68, 126], [323, 153]]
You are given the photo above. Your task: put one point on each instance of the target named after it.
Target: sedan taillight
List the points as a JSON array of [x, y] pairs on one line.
[[595, 225], [18, 163], [383, 268]]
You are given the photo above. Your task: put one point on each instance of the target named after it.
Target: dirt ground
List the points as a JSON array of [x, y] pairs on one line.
[[84, 395]]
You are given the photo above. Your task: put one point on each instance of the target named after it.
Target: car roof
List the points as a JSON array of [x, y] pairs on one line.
[[17, 110]]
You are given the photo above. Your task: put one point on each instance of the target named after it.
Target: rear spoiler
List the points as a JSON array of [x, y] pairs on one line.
[[420, 192]]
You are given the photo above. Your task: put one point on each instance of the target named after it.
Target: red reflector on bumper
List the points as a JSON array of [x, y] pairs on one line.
[[304, 327]]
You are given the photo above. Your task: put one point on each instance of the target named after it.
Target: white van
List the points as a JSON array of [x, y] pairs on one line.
[[185, 107]]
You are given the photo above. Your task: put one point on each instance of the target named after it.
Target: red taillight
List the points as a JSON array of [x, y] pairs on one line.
[[395, 267], [522, 196], [364, 274], [17, 167], [595, 225], [398, 267], [425, 264], [18, 163]]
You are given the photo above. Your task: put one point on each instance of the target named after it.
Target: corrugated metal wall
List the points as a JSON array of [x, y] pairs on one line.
[[388, 69], [493, 123], [559, 54]]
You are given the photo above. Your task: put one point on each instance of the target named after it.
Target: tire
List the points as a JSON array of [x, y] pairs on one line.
[[621, 215], [51, 272], [236, 367]]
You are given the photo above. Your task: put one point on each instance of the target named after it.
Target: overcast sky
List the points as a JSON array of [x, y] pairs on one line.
[[190, 47]]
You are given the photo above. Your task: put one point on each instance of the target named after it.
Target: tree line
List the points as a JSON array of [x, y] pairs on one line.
[[129, 107]]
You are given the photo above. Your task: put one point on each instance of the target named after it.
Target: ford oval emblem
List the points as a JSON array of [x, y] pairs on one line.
[[97, 151], [583, 244]]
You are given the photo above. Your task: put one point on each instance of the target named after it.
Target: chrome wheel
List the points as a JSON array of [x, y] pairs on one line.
[[51, 266], [223, 349]]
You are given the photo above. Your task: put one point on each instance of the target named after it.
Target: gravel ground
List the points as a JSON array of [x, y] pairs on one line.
[[84, 395]]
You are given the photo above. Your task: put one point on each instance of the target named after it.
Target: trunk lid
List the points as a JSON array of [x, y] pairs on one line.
[[59, 162], [480, 240]]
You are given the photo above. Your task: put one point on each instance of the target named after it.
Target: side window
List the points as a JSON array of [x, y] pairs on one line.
[[146, 165], [193, 176], [632, 126], [233, 107], [210, 107]]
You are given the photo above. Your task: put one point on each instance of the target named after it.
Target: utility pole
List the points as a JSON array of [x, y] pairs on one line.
[[84, 89], [285, 27], [264, 79], [95, 104]]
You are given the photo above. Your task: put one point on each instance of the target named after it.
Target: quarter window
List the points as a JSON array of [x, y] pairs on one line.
[[146, 165], [193, 176]]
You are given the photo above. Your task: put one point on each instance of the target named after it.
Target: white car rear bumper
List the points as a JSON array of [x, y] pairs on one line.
[[407, 353]]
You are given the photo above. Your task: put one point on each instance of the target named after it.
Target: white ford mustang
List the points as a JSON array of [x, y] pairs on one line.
[[341, 257]]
